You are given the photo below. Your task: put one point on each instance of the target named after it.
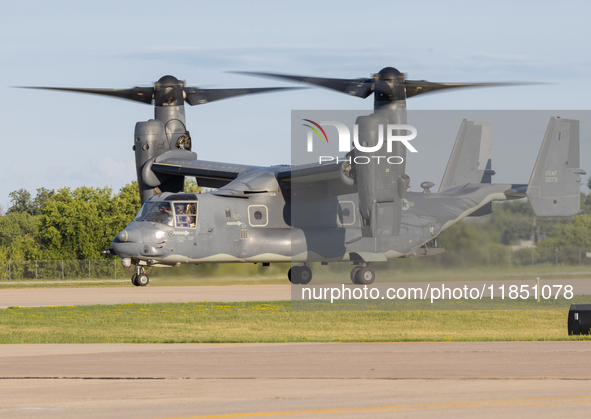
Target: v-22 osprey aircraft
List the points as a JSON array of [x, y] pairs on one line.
[[329, 212]]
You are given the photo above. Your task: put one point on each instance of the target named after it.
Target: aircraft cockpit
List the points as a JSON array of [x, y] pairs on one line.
[[180, 213]]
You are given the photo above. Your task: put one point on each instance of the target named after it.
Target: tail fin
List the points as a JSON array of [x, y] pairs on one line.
[[470, 158], [553, 189]]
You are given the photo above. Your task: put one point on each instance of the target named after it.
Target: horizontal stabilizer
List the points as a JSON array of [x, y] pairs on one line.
[[554, 185]]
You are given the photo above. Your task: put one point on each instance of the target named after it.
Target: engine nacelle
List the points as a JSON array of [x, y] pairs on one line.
[[380, 177], [151, 142]]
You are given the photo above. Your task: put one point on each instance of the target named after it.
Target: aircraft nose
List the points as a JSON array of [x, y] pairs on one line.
[[129, 236], [127, 243]]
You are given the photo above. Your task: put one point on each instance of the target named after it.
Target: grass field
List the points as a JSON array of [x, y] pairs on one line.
[[272, 322]]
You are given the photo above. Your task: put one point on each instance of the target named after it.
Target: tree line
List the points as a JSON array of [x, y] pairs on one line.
[[80, 223], [514, 221]]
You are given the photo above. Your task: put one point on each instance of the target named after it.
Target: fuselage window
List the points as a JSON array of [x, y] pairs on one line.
[[258, 215], [186, 214], [346, 213]]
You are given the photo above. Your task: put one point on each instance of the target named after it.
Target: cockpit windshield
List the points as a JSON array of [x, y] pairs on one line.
[[158, 212], [183, 213]]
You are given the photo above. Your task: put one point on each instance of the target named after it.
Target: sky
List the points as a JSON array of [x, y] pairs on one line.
[[56, 140]]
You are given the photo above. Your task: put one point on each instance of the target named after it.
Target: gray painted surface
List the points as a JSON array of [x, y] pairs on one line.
[[334, 380]]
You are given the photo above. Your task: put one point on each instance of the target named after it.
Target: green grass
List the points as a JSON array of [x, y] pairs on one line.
[[272, 322]]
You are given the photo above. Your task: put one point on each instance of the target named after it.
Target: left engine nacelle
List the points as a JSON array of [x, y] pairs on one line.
[[150, 142]]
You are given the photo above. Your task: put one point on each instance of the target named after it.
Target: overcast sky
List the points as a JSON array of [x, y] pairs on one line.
[[55, 140]]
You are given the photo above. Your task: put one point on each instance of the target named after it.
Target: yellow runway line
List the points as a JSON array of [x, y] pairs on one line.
[[542, 401]]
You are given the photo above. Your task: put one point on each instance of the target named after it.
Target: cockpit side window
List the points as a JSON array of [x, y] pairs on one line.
[[159, 212], [186, 214]]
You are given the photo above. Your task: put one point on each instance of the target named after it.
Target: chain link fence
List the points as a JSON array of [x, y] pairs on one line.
[[64, 269], [489, 256]]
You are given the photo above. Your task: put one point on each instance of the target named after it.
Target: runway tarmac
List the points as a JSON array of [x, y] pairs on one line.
[[34, 297], [329, 380]]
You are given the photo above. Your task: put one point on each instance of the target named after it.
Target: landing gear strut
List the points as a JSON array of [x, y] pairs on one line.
[[140, 279], [363, 275], [299, 275]]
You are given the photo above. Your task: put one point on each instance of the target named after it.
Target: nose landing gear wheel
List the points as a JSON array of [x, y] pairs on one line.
[[142, 280]]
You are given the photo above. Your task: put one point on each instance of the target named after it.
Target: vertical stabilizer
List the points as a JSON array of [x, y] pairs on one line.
[[554, 187], [470, 160]]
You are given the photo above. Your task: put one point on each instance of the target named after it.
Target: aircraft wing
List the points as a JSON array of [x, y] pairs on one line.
[[309, 173], [207, 173], [311, 176], [211, 174]]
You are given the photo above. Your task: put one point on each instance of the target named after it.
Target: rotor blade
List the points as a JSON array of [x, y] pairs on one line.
[[417, 87], [139, 94], [196, 96], [355, 87]]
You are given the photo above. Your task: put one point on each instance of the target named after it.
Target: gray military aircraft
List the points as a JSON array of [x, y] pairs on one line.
[[330, 212]]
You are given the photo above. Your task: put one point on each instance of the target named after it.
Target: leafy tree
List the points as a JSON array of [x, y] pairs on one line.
[[128, 202], [43, 195], [461, 235], [576, 234], [15, 226], [19, 236], [586, 203], [23, 203], [191, 185], [79, 224]]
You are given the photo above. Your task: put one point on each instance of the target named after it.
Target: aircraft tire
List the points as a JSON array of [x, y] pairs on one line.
[[305, 275], [354, 272], [366, 276], [142, 280], [294, 274], [134, 280]]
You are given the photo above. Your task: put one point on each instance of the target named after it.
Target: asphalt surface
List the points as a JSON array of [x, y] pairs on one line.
[[35, 297], [328, 380]]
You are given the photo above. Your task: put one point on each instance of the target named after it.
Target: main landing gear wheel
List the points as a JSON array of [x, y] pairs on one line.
[[365, 276], [299, 275], [354, 274]]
